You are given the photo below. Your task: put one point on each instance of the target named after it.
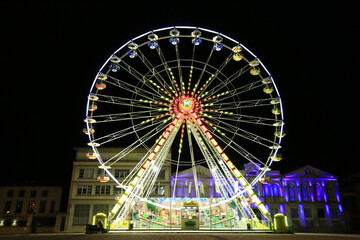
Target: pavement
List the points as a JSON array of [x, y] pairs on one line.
[[180, 236]]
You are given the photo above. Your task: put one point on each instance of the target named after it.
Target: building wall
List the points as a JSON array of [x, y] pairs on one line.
[[29, 208], [90, 201]]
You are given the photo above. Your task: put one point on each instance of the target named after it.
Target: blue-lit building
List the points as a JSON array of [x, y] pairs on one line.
[[308, 196]]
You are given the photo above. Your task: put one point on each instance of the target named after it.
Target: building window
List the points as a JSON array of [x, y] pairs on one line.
[[18, 207], [334, 213], [117, 191], [294, 212], [52, 206], [292, 193], [44, 193], [161, 174], [33, 193], [42, 207], [158, 190], [86, 173], [21, 193], [321, 212], [10, 193], [305, 192], [318, 192], [7, 207], [121, 173], [84, 190], [81, 214], [31, 207], [307, 213], [267, 190], [102, 190], [276, 190]]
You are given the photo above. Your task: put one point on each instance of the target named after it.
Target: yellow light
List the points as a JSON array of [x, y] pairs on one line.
[[140, 173], [230, 164], [214, 142], [242, 181], [136, 179], [151, 156], [161, 141], [237, 173], [122, 199], [115, 208], [128, 190], [263, 209], [146, 165], [157, 148], [225, 157], [218, 148]]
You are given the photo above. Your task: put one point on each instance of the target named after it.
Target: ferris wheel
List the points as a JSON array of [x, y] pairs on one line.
[[194, 90]]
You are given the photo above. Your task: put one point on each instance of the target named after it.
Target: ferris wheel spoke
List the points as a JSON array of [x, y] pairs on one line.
[[218, 70], [244, 118], [165, 65], [246, 134], [141, 78], [152, 133], [134, 89], [229, 80], [240, 104], [125, 132], [155, 73]]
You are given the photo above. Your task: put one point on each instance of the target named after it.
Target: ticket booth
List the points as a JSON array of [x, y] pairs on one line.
[[190, 215], [280, 223]]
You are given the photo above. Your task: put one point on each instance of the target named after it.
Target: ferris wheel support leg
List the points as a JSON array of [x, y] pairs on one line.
[[235, 171], [145, 166]]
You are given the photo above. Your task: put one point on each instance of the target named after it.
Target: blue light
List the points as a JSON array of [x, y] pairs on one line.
[[114, 67], [196, 41], [132, 53], [327, 211], [282, 209], [302, 213], [340, 208], [218, 47], [152, 45], [174, 41]]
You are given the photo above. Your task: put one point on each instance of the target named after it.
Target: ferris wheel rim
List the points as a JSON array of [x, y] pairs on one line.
[[277, 141]]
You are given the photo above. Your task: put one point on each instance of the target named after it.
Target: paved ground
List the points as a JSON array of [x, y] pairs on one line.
[[181, 236]]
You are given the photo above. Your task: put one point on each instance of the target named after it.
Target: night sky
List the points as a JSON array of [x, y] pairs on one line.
[[51, 51]]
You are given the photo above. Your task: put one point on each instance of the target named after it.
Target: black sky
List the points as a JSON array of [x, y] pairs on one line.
[[51, 51]]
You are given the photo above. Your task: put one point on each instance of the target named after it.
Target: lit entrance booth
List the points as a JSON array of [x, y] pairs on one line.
[[190, 215]]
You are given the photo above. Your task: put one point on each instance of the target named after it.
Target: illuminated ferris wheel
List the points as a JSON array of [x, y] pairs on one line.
[[192, 89]]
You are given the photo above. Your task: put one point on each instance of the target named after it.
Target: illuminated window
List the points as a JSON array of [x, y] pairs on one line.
[[276, 190], [292, 192], [318, 192], [304, 192]]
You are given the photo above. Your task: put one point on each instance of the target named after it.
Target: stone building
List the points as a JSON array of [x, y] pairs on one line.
[[30, 209]]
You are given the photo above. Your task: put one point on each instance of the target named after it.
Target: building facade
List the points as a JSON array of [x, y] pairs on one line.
[[308, 196], [30, 209], [88, 196]]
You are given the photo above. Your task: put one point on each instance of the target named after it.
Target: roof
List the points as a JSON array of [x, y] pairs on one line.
[[202, 172], [308, 171]]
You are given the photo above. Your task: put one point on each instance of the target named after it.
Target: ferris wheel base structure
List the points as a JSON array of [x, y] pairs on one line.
[[185, 84]]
